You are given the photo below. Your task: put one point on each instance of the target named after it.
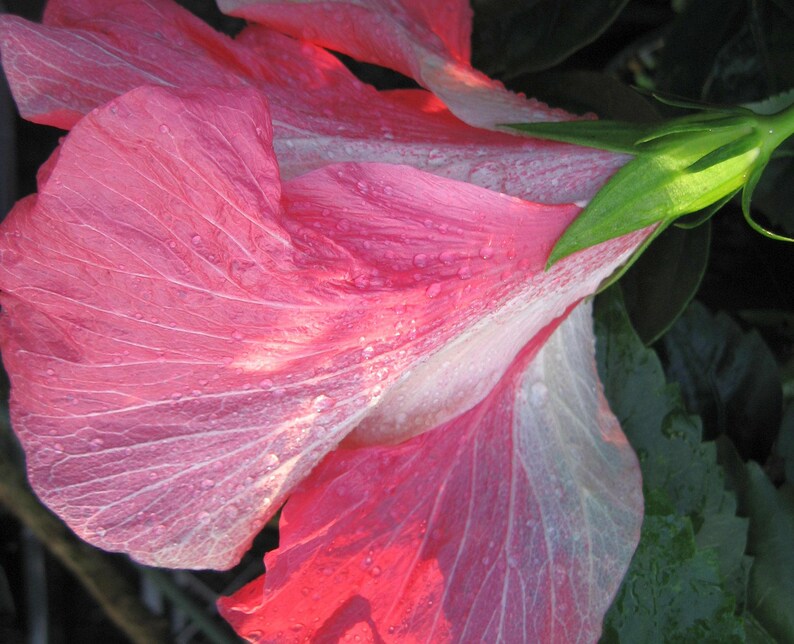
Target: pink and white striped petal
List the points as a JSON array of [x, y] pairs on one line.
[[427, 41], [185, 342], [87, 53], [513, 522]]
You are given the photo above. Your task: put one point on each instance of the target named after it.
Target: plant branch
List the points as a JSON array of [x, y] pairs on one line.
[[117, 597]]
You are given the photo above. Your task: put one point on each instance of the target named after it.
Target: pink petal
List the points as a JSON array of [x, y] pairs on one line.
[[423, 40], [514, 522], [183, 351], [321, 113]]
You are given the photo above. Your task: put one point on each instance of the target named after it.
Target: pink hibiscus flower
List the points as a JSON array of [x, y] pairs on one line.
[[248, 277]]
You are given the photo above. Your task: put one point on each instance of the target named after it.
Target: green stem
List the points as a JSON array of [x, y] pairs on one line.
[[779, 127]]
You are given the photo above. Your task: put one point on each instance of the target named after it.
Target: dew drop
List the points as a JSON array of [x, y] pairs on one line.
[[447, 257], [196, 240], [376, 571], [164, 129], [539, 393], [420, 260], [50, 372], [323, 403], [486, 252], [433, 290], [464, 273], [271, 460], [265, 383]]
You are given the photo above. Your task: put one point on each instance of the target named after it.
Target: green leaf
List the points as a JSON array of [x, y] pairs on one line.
[[658, 287], [771, 514], [785, 444], [647, 190], [772, 104], [747, 194], [729, 377], [673, 591], [615, 136], [724, 153], [513, 38], [697, 219], [693, 42], [686, 592], [582, 91], [701, 122]]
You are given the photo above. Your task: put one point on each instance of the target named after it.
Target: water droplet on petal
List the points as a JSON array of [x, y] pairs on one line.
[[164, 129], [196, 240], [447, 257], [433, 290], [464, 273], [271, 460], [420, 260], [323, 403], [539, 393], [486, 252]]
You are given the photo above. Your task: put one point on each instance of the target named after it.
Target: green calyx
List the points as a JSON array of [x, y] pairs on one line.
[[689, 164]]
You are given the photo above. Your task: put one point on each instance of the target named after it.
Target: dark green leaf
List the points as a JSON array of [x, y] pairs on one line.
[[664, 279], [728, 377], [672, 592], [771, 514], [692, 44], [680, 473], [513, 38], [615, 136], [580, 92], [785, 444]]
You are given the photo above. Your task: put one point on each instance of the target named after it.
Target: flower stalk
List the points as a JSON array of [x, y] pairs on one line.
[[685, 165]]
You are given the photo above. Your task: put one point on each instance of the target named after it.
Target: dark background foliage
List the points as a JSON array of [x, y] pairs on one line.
[[731, 353]]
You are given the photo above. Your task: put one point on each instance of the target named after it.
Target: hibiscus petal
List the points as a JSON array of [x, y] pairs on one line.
[[321, 113], [513, 523], [182, 352], [420, 39]]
